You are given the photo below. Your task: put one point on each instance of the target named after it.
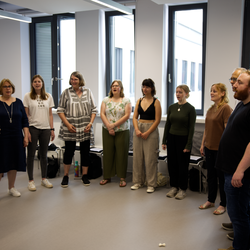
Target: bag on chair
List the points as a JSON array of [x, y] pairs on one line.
[[95, 168], [52, 167], [194, 180]]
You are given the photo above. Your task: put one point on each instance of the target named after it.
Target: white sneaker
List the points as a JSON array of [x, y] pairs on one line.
[[32, 186], [136, 186], [14, 192], [173, 191], [181, 195], [46, 183], [150, 189]]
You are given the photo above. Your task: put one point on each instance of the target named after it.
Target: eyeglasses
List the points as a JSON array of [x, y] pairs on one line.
[[232, 79], [6, 87], [115, 86]]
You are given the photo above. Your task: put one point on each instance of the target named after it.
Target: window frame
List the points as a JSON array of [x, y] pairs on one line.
[[171, 59], [109, 14], [245, 58], [55, 47]]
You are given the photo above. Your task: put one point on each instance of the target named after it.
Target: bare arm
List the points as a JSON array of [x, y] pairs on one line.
[[156, 122], [51, 124], [242, 167], [26, 136], [202, 145], [27, 113], [135, 120], [105, 120], [103, 115]]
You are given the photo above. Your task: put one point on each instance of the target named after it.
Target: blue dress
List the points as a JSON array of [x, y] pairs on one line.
[[12, 152]]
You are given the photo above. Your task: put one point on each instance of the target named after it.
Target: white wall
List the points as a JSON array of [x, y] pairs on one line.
[[149, 47], [15, 55], [224, 40], [90, 51]]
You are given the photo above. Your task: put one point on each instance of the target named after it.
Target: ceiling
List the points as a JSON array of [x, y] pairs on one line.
[[34, 8]]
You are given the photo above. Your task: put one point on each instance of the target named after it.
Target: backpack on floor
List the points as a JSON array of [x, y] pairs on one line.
[[194, 181], [95, 168], [52, 167]]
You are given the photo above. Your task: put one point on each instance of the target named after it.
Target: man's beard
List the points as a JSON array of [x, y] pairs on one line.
[[241, 95]]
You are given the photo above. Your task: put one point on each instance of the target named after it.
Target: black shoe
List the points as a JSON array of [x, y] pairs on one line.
[[227, 226], [65, 181], [230, 236], [85, 180]]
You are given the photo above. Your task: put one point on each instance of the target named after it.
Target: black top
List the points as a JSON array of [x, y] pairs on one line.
[[12, 151], [234, 140], [149, 113]]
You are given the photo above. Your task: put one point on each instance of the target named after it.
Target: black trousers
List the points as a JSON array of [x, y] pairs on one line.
[[70, 147], [213, 175], [178, 161]]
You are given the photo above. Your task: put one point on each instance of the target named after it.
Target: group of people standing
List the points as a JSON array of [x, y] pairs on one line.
[[24, 124], [77, 111], [178, 134], [225, 143]]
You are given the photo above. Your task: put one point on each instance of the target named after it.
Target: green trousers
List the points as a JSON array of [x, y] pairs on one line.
[[115, 153]]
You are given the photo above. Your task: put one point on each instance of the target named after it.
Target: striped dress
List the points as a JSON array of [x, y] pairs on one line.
[[78, 111]]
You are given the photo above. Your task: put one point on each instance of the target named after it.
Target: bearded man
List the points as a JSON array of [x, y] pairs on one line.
[[233, 159]]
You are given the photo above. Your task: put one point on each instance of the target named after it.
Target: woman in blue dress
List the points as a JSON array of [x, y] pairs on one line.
[[14, 129]]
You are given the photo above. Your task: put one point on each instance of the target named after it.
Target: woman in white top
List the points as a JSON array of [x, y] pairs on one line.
[[38, 106], [115, 113]]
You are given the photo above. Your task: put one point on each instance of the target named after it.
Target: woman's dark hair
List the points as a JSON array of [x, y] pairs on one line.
[[149, 83]]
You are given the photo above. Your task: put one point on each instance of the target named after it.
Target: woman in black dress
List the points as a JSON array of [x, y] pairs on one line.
[[14, 128]]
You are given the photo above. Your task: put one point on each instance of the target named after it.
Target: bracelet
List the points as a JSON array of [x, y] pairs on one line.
[[91, 123], [52, 129]]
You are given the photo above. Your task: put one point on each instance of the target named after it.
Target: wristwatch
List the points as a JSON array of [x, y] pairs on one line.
[[52, 129]]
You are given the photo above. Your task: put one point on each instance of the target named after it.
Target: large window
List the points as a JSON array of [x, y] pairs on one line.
[[245, 61], [186, 62], [53, 51], [120, 52]]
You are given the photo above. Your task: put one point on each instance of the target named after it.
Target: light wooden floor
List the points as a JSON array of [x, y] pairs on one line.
[[105, 218]]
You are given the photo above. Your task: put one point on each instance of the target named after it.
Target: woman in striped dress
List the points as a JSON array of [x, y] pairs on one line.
[[77, 111]]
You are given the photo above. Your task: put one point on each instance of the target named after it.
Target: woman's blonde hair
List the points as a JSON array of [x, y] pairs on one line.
[[33, 94], [121, 86], [2, 83], [185, 88], [221, 87]]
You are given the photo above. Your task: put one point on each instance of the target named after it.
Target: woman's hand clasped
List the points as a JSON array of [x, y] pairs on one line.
[[25, 142], [112, 132], [138, 133], [145, 135], [71, 128], [87, 128]]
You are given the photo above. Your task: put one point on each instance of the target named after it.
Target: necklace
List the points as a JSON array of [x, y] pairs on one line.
[[179, 107], [8, 111]]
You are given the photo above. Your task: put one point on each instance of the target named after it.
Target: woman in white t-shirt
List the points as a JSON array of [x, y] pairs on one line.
[[38, 106]]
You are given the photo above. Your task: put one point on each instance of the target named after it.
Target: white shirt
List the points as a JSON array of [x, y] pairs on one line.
[[38, 110]]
